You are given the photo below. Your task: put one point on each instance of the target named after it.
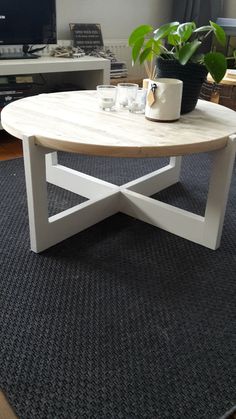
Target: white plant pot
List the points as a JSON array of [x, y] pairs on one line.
[[167, 96]]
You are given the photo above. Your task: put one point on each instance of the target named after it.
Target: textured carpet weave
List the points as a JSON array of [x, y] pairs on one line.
[[123, 320]]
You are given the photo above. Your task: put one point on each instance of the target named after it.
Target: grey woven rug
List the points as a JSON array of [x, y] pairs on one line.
[[122, 320]]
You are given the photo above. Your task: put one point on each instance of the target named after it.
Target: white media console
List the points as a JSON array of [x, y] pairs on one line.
[[85, 72]]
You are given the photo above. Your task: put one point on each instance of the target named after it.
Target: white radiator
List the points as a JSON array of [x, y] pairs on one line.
[[123, 53]]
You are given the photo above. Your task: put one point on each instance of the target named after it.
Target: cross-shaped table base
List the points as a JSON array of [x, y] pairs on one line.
[[132, 198]]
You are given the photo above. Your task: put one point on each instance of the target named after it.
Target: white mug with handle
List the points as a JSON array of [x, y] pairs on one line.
[[164, 100]]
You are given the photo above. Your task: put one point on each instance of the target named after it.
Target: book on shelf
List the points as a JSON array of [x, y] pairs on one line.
[[118, 69], [118, 65], [118, 75]]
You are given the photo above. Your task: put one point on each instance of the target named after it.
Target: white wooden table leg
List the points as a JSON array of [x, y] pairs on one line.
[[35, 175], [46, 231], [51, 159], [77, 182], [155, 182], [205, 230], [221, 174], [175, 163]]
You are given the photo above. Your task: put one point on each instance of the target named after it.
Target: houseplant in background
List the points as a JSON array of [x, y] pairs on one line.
[[175, 50]]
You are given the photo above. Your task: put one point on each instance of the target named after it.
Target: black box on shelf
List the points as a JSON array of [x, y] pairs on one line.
[[14, 87]]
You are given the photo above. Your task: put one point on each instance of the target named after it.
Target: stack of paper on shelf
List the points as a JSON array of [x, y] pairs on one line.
[[118, 69]]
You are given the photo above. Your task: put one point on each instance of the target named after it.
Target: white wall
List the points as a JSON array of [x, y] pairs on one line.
[[117, 17], [230, 8]]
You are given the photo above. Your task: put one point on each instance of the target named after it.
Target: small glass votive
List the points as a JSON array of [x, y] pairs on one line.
[[126, 92], [106, 96], [138, 103]]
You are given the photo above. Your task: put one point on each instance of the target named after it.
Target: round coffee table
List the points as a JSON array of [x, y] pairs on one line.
[[73, 122]]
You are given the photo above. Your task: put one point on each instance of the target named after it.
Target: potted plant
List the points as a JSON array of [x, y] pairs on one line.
[[175, 49]]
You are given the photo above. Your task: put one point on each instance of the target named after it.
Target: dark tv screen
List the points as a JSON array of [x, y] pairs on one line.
[[25, 22]]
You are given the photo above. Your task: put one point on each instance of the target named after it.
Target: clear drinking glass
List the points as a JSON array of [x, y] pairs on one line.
[[137, 104], [106, 96], [126, 92]]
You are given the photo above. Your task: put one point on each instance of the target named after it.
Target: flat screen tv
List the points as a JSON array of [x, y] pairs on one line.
[[26, 23]]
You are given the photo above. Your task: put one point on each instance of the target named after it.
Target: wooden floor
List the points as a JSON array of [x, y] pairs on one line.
[[6, 411], [10, 147]]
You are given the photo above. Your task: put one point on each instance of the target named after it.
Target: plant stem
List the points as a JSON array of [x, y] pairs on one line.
[[208, 33], [147, 69]]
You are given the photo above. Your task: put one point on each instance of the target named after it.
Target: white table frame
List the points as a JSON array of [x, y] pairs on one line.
[[132, 198]]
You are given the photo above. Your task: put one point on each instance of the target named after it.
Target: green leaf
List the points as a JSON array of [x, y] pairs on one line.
[[216, 64], [185, 30], [204, 29], [187, 51], [173, 39], [139, 32], [155, 45], [198, 59], [164, 30], [219, 33], [176, 54], [136, 49], [146, 55]]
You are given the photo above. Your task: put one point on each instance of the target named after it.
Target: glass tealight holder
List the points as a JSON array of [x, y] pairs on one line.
[[137, 104], [126, 92], [106, 96]]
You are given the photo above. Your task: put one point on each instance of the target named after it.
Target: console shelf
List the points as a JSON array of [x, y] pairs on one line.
[[85, 72]]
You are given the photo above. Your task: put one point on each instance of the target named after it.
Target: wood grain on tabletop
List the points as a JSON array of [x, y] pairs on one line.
[[73, 121]]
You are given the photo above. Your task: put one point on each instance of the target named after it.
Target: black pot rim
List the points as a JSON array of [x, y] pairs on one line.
[[172, 61]]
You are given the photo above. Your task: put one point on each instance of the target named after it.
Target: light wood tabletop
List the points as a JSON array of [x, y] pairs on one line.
[[73, 121]]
